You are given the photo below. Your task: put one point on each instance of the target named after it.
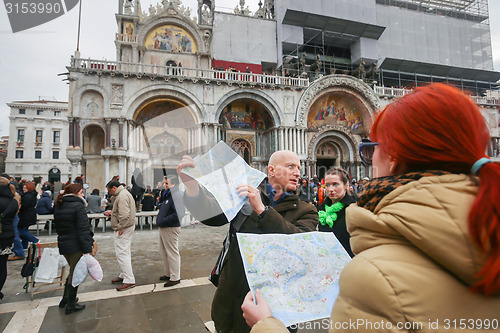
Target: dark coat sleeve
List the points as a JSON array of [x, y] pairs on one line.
[[205, 208], [307, 220]]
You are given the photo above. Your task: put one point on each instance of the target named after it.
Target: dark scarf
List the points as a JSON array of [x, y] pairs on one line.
[[378, 188]]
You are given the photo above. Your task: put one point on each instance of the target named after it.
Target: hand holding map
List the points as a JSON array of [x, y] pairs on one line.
[[220, 171]]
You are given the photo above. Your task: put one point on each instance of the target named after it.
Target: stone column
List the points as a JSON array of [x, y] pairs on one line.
[[108, 133], [130, 130], [120, 133], [295, 141], [74, 170], [106, 170], [281, 139], [77, 133], [71, 132], [121, 170]]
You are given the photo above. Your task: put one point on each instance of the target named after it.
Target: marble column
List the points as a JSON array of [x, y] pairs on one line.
[[120, 133], [281, 140], [74, 170], [71, 132], [121, 168], [129, 136], [108, 133], [77, 133], [106, 169]]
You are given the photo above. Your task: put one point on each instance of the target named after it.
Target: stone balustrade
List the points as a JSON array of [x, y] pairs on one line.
[[181, 73], [126, 38]]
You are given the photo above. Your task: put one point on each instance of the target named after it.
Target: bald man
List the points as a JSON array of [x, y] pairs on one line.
[[273, 207]]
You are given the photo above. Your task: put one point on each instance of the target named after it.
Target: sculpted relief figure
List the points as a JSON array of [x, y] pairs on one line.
[[128, 7]]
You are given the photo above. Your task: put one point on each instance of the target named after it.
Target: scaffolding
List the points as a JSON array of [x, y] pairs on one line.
[[471, 10]]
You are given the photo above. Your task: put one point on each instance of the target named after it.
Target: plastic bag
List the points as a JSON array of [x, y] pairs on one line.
[[80, 272], [95, 270]]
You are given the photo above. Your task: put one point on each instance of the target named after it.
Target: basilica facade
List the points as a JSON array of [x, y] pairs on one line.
[[180, 85]]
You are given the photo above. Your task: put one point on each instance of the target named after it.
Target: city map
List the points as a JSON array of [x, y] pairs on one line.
[[297, 274], [220, 170]]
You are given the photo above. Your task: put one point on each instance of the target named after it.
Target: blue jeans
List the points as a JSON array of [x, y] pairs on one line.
[[18, 247], [26, 237]]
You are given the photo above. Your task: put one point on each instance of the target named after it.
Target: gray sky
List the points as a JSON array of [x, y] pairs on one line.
[[32, 59]]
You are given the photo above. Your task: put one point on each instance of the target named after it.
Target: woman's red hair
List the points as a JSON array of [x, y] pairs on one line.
[[29, 186], [437, 127], [69, 189]]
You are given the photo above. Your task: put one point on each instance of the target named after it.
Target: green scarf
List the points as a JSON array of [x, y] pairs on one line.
[[329, 215]]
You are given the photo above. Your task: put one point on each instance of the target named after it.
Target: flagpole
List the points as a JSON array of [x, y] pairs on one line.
[[79, 20]]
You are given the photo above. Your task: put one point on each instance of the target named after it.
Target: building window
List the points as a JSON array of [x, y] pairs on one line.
[[57, 136], [55, 155], [57, 113], [19, 154], [22, 111], [20, 135], [39, 137], [39, 112], [38, 154]]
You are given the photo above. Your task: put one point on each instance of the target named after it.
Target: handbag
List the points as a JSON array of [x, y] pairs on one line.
[[31, 259]]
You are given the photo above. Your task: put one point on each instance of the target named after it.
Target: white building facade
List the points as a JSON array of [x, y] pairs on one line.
[[38, 141]]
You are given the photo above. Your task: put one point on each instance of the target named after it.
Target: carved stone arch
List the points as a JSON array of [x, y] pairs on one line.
[[331, 83], [255, 95], [188, 25], [349, 140], [77, 96], [244, 148], [92, 142], [151, 92]]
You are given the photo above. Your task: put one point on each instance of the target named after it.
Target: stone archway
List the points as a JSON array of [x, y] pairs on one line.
[[242, 148], [93, 162]]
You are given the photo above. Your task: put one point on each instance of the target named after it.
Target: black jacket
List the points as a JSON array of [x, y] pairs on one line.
[[148, 202], [72, 226], [8, 206], [339, 226], [27, 213], [172, 209]]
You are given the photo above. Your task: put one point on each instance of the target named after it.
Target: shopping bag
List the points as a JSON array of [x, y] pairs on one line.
[[95, 270], [80, 272]]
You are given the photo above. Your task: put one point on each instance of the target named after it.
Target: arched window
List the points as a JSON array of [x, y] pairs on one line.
[[242, 148]]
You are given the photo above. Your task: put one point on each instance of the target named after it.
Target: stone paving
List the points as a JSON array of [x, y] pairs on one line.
[[149, 307]]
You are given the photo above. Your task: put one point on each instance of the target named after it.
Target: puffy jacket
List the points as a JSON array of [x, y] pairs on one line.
[[44, 205], [416, 252], [8, 206], [27, 212], [73, 226]]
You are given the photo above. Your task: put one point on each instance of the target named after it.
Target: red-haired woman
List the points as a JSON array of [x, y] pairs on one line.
[[27, 214], [74, 237], [426, 232]]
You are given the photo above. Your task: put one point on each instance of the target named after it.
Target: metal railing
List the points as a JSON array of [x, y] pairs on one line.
[[137, 69]]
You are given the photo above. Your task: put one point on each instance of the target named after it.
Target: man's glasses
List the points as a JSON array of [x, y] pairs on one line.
[[366, 150]]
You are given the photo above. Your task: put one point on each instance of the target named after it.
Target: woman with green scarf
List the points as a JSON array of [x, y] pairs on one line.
[[332, 211]]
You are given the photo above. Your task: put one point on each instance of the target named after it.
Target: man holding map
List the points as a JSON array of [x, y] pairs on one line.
[[272, 207]]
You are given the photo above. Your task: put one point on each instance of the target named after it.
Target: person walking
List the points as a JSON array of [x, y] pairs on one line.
[[426, 229], [148, 204], [273, 207], [8, 210], [332, 212], [123, 223], [74, 238], [168, 220], [306, 190], [27, 214]]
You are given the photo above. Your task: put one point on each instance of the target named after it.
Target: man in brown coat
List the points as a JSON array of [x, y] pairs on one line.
[[272, 208]]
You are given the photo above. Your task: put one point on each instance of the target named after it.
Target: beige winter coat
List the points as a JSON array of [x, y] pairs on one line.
[[414, 265], [123, 213]]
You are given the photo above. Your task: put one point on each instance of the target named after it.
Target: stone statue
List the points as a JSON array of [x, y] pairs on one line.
[[269, 9], [128, 7], [303, 62], [205, 15], [237, 10], [152, 10], [318, 63]]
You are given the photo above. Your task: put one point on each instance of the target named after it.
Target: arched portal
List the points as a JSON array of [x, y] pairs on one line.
[[93, 143], [247, 126], [165, 128]]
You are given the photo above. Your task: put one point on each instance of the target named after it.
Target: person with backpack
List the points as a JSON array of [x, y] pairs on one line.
[[74, 238]]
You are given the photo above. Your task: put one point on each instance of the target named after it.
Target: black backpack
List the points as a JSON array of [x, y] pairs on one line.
[[32, 260]]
